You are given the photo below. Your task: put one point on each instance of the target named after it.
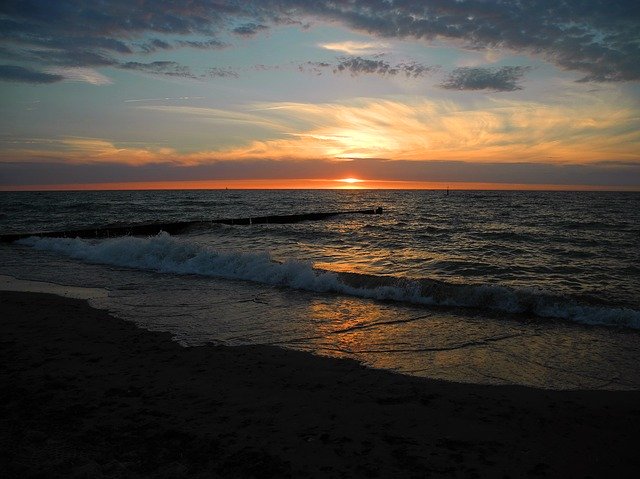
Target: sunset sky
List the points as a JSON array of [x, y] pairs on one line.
[[300, 93]]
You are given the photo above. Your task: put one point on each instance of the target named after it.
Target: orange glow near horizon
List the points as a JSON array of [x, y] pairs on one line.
[[350, 184], [309, 184]]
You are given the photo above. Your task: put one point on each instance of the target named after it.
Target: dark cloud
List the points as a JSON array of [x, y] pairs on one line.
[[81, 33], [158, 45], [249, 29], [160, 68], [598, 38], [155, 45], [494, 79], [15, 73], [49, 173], [356, 65], [211, 44], [592, 174], [76, 58]]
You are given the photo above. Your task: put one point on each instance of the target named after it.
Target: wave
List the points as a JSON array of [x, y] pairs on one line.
[[166, 254]]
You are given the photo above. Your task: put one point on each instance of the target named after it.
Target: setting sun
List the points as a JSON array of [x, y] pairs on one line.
[[350, 180]]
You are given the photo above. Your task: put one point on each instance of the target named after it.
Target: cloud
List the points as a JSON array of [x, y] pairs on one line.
[[155, 45], [261, 67], [525, 173], [571, 130], [211, 44], [65, 58], [160, 68], [13, 73], [596, 38], [78, 74], [179, 98], [578, 129], [215, 115], [317, 68], [355, 48], [599, 39], [222, 73], [493, 79], [249, 29], [81, 34], [358, 66]]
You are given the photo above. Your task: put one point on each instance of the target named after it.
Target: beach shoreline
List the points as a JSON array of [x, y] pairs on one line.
[[85, 394]]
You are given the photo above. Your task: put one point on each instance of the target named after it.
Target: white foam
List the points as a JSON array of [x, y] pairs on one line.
[[167, 254]]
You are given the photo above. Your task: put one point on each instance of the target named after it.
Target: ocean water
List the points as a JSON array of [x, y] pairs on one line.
[[532, 288]]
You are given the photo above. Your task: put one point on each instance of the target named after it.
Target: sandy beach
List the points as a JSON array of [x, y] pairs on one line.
[[84, 394]]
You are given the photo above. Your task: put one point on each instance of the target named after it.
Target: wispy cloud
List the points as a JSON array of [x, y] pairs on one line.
[[178, 98], [581, 129], [216, 115]]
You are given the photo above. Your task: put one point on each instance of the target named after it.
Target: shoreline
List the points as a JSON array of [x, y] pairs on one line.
[[85, 394]]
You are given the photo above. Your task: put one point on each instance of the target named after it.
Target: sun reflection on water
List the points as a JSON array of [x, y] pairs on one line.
[[356, 329]]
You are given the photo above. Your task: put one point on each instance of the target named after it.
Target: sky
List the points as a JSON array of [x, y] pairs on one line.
[[540, 94]]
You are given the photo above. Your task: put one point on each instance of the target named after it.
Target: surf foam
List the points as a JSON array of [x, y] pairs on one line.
[[166, 254]]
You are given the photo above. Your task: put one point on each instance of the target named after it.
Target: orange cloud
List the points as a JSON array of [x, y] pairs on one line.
[[580, 129], [354, 47], [491, 130]]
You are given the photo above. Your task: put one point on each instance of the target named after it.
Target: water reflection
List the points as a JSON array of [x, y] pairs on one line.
[[346, 327], [457, 346]]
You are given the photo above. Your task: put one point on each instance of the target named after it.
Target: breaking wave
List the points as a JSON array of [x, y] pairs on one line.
[[166, 254]]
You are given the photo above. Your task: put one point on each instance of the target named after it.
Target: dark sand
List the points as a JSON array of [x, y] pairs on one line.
[[84, 394]]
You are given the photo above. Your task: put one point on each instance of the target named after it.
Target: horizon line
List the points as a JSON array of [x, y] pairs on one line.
[[312, 184]]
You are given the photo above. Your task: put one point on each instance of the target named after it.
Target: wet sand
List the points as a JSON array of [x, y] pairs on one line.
[[84, 394]]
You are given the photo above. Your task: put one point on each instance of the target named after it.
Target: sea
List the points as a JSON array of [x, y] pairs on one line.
[[538, 289]]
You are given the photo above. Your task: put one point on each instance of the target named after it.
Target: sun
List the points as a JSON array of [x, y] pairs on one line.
[[350, 183]]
